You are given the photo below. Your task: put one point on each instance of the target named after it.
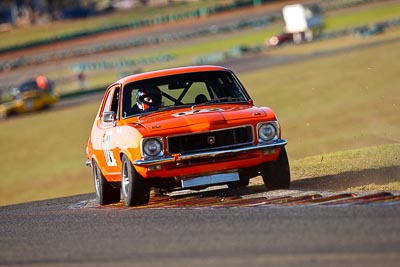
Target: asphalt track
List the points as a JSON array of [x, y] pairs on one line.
[[74, 231]]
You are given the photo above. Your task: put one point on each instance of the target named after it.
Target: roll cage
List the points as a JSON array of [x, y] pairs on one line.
[[187, 89]]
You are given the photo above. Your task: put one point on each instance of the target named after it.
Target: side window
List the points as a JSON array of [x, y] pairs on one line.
[[107, 105], [112, 101], [115, 101]]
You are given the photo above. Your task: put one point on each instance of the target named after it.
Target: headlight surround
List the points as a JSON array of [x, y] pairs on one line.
[[152, 147], [268, 131]]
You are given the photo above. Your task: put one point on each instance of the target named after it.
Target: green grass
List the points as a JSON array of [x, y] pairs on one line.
[[61, 28], [337, 103], [45, 154], [363, 17]]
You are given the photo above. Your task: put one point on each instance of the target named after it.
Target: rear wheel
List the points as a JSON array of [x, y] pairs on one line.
[[105, 193], [135, 189], [276, 175]]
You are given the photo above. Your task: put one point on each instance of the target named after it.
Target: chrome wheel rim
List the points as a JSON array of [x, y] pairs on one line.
[[125, 180], [97, 181]]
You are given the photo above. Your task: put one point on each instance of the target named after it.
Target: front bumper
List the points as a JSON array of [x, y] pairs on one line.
[[207, 154]]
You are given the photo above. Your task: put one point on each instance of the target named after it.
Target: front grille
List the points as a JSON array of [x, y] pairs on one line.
[[227, 138]]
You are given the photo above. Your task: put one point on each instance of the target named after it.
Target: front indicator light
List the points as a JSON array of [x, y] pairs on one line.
[[154, 168], [269, 152]]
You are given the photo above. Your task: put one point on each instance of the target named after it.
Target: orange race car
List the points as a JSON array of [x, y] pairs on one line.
[[182, 128]]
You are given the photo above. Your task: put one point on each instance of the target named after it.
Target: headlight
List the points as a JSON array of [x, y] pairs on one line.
[[152, 147], [268, 132]]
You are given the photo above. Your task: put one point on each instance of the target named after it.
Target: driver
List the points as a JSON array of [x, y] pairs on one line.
[[148, 100]]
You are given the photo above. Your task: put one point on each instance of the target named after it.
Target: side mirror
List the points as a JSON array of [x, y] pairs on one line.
[[109, 116]]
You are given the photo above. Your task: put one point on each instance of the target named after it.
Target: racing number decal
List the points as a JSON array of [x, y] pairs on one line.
[[107, 150]]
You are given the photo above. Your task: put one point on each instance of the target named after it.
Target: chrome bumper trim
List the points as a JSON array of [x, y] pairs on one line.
[[208, 154]]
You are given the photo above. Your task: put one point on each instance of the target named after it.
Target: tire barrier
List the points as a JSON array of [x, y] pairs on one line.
[[79, 93], [235, 52], [104, 65], [362, 31], [370, 29]]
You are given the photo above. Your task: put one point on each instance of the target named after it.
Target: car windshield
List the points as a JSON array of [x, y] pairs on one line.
[[28, 86], [188, 89]]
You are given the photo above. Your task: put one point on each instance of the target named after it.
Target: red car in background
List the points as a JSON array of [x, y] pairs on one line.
[[280, 39]]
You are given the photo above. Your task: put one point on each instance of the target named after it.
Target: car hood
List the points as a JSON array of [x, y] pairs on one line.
[[201, 119]]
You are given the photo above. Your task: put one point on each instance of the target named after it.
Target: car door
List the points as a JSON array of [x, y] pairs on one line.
[[108, 126]]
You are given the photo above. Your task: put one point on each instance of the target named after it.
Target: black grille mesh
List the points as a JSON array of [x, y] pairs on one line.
[[215, 140]]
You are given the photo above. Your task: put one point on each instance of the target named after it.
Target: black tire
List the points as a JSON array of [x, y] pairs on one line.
[[276, 175], [105, 193], [135, 189]]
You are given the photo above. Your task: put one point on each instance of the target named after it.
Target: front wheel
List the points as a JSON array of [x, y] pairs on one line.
[[135, 189], [105, 193], [276, 175]]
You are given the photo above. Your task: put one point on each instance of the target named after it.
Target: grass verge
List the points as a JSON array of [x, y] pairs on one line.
[[393, 186], [356, 160], [375, 168]]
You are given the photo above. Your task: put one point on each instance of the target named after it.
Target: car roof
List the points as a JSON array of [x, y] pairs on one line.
[[172, 71]]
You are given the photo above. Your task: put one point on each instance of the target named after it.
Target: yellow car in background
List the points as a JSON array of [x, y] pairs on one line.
[[32, 95]]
